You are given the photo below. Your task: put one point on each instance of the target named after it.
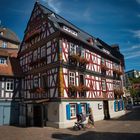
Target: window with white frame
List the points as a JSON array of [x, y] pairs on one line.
[[35, 55], [10, 85], [72, 49], [103, 85], [72, 110], [102, 60], [4, 45], [71, 78], [2, 60], [43, 51], [83, 108], [35, 81], [82, 52]]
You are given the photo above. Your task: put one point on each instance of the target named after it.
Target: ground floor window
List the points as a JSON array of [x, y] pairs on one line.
[[83, 108], [72, 110]]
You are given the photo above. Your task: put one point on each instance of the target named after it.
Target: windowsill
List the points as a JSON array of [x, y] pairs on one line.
[[9, 90]]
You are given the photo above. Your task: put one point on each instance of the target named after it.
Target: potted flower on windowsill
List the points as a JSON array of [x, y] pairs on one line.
[[104, 67], [83, 62]]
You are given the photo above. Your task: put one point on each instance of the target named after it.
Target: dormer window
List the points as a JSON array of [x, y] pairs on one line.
[[2, 61], [4, 45], [70, 30]]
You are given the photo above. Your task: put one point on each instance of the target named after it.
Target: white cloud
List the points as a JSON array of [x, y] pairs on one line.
[[132, 52], [54, 4], [133, 48], [136, 33], [132, 55]]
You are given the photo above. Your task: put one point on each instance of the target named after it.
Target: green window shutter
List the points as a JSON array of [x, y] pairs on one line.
[[122, 105], [118, 105], [87, 108], [79, 109], [68, 111], [115, 106]]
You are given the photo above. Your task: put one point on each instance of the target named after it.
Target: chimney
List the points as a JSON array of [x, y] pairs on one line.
[[90, 41]]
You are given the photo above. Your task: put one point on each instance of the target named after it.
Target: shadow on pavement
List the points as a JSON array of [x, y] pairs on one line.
[[133, 115], [90, 135]]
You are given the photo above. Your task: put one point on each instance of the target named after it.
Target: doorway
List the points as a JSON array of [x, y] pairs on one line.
[[106, 110], [38, 114]]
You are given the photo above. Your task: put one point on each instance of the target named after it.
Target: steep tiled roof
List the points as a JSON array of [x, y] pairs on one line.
[[81, 35], [8, 34]]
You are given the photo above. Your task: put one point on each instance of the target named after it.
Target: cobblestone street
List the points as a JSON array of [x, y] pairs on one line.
[[126, 127]]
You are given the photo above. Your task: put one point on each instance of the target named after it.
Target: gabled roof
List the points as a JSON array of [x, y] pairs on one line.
[[81, 35], [9, 35], [12, 68], [58, 20]]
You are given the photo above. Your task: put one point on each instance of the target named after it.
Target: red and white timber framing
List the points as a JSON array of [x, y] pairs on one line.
[[93, 82]]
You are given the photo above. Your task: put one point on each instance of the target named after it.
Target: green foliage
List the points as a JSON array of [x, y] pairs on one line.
[[134, 80], [134, 92]]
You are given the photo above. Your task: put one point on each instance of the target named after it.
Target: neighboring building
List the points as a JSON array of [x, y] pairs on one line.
[[66, 71], [9, 77], [133, 73]]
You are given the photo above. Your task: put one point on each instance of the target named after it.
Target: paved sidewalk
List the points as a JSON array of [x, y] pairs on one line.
[[126, 127]]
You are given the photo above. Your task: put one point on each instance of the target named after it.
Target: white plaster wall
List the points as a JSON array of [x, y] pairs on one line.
[[59, 119], [112, 112], [53, 114]]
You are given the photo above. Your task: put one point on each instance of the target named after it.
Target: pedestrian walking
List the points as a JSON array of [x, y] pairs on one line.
[[90, 118]]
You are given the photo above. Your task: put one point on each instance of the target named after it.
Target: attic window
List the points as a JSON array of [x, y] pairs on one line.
[[2, 61], [69, 30], [106, 51]]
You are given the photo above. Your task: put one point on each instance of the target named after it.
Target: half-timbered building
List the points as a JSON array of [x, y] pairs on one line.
[[10, 74], [66, 71]]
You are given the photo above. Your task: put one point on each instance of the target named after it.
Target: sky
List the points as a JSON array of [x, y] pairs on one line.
[[113, 21]]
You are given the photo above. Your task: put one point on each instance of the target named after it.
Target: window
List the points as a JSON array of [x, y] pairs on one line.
[[83, 108], [102, 60], [10, 85], [81, 79], [71, 78], [35, 55], [35, 81], [72, 110], [2, 61], [72, 49], [44, 81], [4, 45], [103, 85], [82, 53], [43, 51]]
